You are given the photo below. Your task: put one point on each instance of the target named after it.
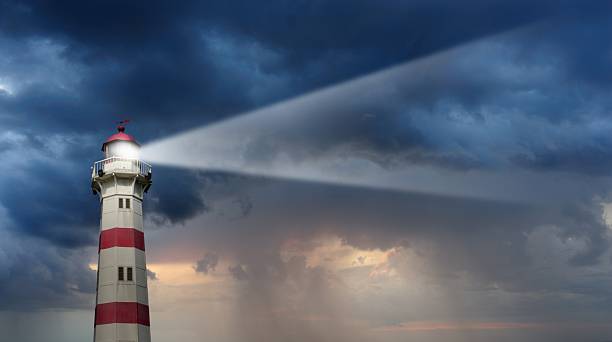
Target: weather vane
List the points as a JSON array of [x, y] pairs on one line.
[[121, 124]]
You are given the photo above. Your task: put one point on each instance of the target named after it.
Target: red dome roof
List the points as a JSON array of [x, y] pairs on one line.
[[120, 135]]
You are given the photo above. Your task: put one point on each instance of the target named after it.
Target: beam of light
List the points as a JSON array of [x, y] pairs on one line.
[[326, 136]]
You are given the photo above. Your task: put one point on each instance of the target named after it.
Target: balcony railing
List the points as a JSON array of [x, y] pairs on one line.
[[120, 165]]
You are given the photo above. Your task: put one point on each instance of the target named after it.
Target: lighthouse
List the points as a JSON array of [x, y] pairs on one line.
[[121, 180]]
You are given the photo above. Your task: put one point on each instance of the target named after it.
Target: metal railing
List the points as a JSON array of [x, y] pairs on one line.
[[118, 164]]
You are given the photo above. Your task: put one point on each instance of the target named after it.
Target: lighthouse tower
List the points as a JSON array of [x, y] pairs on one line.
[[121, 180]]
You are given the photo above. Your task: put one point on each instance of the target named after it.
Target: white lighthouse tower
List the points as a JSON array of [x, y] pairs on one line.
[[121, 180]]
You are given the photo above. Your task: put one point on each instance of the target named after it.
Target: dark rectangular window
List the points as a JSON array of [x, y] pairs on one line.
[[129, 274], [127, 203], [120, 273], [120, 203]]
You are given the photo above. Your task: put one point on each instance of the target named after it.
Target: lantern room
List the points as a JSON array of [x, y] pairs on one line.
[[121, 145], [121, 159]]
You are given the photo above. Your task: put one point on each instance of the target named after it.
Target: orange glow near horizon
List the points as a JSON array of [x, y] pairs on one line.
[[332, 252]]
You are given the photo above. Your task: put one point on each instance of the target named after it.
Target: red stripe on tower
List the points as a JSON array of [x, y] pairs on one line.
[[122, 312], [122, 237]]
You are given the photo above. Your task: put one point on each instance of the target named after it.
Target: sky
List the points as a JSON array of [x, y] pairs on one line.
[[416, 171]]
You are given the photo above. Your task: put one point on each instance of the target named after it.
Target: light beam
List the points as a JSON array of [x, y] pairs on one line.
[[329, 136]]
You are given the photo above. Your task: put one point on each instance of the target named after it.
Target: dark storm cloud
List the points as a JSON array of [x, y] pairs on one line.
[[504, 102], [35, 273], [176, 197], [157, 62], [154, 59], [513, 100], [60, 224], [45, 198], [75, 67]]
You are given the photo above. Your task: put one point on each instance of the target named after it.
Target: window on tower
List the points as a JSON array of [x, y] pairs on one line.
[[127, 203], [121, 203], [120, 274], [130, 273]]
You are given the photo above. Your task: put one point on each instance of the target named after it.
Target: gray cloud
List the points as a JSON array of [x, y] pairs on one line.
[[35, 274], [238, 272], [477, 259], [151, 275], [488, 234], [208, 263]]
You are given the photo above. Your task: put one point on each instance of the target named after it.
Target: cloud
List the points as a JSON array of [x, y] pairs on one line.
[[238, 272], [36, 274], [215, 63], [151, 275], [433, 257], [208, 263], [175, 197], [522, 114]]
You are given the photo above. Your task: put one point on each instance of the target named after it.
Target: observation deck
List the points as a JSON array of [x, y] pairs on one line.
[[121, 167]]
